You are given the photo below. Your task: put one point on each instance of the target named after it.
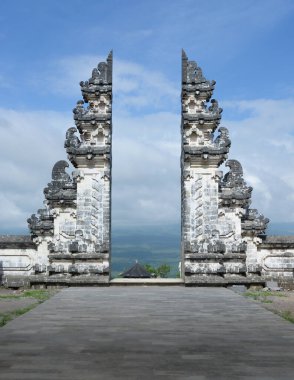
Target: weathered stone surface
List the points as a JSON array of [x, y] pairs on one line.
[[72, 233], [275, 242], [16, 281], [41, 225], [61, 191], [233, 189], [216, 219], [16, 241], [254, 223]]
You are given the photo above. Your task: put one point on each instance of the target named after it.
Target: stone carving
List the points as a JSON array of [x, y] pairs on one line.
[[39, 268], [214, 109], [220, 202], [71, 140], [191, 246], [223, 240], [223, 140], [99, 74], [194, 73], [233, 189], [234, 178], [41, 224], [76, 224], [79, 108], [92, 117], [78, 245], [61, 190], [216, 245], [239, 247], [100, 81], [254, 223]]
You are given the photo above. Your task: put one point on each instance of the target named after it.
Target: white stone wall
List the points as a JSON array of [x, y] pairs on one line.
[[201, 203], [277, 264], [92, 217], [18, 262], [64, 228]]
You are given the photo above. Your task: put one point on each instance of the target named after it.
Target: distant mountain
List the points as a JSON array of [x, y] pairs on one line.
[[153, 245]]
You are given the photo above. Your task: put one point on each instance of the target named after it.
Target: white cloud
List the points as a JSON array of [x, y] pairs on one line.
[[262, 133], [134, 86], [31, 142], [145, 165], [62, 76], [146, 147], [146, 169]]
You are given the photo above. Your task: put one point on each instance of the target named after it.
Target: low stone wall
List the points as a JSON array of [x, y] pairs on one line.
[[19, 255], [276, 256], [17, 260]]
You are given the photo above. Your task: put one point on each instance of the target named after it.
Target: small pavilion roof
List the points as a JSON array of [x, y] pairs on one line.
[[136, 271]]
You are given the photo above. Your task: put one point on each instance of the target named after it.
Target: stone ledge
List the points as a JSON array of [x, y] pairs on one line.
[[78, 256], [16, 282], [215, 256], [16, 242], [277, 242], [70, 281], [229, 279]]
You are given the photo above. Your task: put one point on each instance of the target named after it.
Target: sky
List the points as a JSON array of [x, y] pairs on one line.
[[48, 47]]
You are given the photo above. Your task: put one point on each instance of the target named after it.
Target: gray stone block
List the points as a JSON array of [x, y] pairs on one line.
[[272, 285]]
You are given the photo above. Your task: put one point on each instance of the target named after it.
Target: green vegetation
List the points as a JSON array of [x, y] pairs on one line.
[[6, 317], [38, 294], [160, 271], [287, 315], [262, 295]]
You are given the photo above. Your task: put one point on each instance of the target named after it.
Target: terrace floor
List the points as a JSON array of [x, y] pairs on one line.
[[147, 332]]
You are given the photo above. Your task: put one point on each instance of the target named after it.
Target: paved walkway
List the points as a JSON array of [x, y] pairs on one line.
[[147, 333]]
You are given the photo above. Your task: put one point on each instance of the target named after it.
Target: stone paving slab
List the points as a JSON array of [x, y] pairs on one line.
[[147, 333]]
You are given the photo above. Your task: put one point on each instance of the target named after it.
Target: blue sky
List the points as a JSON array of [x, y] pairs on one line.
[[48, 47]]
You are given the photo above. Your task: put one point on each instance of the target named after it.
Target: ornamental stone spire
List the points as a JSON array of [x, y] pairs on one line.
[[217, 223], [72, 233]]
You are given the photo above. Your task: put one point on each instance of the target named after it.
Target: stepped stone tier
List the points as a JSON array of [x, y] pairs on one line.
[[224, 241]]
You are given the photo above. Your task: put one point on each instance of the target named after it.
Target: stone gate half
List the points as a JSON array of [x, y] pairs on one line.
[[218, 226], [72, 232]]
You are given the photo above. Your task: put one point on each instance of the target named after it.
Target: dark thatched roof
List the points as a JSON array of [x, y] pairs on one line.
[[136, 271]]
